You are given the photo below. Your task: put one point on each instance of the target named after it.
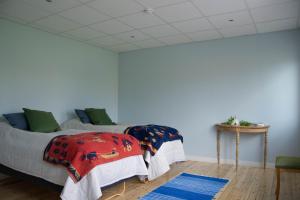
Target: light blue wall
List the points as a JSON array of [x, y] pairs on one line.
[[193, 86], [190, 87], [48, 72]]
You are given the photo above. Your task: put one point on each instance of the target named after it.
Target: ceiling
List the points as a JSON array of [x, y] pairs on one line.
[[122, 25]]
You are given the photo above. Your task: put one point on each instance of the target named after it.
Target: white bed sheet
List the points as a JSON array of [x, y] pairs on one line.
[[168, 153], [23, 151]]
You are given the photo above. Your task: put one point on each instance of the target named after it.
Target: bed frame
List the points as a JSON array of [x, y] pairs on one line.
[[35, 180], [39, 181]]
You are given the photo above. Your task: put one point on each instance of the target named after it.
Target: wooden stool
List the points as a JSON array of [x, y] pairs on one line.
[[285, 164]]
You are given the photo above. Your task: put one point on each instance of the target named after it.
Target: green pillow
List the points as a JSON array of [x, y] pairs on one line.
[[98, 116], [41, 121]]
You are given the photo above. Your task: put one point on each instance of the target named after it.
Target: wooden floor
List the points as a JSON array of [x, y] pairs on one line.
[[247, 183]]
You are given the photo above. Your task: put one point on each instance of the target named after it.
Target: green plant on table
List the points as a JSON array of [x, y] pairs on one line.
[[233, 121], [245, 123], [229, 121]]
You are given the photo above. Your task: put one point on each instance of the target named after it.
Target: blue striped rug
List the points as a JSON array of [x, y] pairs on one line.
[[188, 187]]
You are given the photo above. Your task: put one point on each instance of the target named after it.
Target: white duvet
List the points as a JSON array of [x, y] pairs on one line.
[[23, 151], [168, 153]]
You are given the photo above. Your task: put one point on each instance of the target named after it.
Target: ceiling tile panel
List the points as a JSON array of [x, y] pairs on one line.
[[149, 43], [111, 27], [44, 28], [121, 25], [85, 1], [160, 31], [54, 6], [214, 7], [123, 47], [275, 12], [21, 11], [238, 31], [178, 12], [231, 19], [193, 25], [84, 15], [116, 8], [141, 20], [260, 3], [204, 35], [56, 23], [14, 19], [175, 39], [84, 33], [278, 25], [132, 36], [158, 3]]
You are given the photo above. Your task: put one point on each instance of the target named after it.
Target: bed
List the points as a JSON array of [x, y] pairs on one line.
[[23, 151], [169, 153]]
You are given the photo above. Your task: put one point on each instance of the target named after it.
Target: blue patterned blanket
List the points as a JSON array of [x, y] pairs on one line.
[[153, 136]]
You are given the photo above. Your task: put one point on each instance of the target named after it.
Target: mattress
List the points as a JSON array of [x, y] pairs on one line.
[[168, 153], [23, 151]]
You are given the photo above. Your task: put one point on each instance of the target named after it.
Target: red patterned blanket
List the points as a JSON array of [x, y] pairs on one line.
[[80, 153]]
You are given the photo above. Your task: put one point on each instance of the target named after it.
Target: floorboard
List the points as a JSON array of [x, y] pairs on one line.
[[248, 183]]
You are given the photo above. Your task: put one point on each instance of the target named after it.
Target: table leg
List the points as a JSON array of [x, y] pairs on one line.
[[265, 149], [218, 146], [237, 149], [278, 183]]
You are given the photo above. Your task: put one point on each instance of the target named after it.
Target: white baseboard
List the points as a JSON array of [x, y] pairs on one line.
[[229, 161]]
